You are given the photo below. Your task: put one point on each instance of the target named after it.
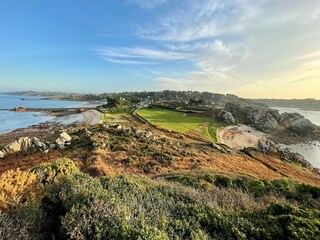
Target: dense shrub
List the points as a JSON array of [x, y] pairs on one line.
[[13, 226], [123, 207], [303, 194], [286, 222], [19, 188], [51, 172], [203, 206]]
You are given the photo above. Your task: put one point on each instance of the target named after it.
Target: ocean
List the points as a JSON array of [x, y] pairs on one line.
[[10, 120], [310, 151]]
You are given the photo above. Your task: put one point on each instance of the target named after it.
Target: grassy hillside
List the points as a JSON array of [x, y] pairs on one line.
[[181, 122]]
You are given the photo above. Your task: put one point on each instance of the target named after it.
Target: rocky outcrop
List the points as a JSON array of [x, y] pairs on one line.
[[267, 146], [262, 120], [269, 120], [293, 157], [20, 109], [297, 123], [24, 144], [227, 117]]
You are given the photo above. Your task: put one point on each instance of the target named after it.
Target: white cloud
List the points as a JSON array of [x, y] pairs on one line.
[[193, 20], [147, 3], [240, 46], [121, 61], [140, 55], [260, 47]]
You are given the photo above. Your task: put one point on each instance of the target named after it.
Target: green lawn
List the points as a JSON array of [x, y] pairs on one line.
[[181, 122]]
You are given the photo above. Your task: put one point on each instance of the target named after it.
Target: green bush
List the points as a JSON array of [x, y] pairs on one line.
[[286, 222], [223, 181], [126, 207], [51, 172]]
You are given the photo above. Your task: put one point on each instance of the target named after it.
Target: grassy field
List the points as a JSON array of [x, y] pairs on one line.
[[181, 122]]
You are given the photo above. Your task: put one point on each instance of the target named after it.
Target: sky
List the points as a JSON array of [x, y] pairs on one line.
[[254, 49]]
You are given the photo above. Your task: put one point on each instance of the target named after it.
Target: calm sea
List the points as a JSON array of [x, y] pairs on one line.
[[10, 120], [311, 151]]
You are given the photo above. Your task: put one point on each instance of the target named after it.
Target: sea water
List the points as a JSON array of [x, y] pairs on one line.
[[10, 120], [311, 150]]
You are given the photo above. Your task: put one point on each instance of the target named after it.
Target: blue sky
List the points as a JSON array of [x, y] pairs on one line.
[[265, 48]]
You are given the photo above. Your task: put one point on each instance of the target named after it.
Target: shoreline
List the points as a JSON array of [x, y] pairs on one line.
[[242, 136], [47, 128]]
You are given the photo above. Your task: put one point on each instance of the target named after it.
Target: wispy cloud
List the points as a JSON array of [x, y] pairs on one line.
[[140, 55], [126, 62], [240, 46], [147, 3], [236, 44], [195, 20]]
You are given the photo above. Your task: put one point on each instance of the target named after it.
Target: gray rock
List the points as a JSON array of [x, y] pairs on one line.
[[215, 146], [267, 146], [268, 123], [227, 117], [38, 144], [53, 145], [22, 144], [294, 157], [297, 123], [60, 143], [65, 137]]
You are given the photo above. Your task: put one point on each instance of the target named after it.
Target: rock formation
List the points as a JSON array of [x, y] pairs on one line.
[[24, 144], [227, 117]]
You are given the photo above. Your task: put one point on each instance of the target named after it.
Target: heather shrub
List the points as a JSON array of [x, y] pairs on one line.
[[285, 222], [13, 226], [19, 188], [294, 192], [79, 206], [51, 172], [72, 190]]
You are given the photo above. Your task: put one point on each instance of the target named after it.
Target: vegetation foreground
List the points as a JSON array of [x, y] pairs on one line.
[[57, 201]]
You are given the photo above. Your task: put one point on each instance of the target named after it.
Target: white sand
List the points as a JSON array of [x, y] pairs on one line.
[[238, 137], [90, 117]]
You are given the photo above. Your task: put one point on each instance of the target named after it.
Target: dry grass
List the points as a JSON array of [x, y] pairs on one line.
[[132, 155]]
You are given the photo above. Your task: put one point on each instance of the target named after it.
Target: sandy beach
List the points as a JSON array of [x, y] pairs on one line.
[[238, 137], [90, 117]]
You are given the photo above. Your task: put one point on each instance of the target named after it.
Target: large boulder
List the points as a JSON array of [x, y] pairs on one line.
[[22, 144], [37, 143], [227, 117], [65, 137], [40, 145], [63, 140]]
